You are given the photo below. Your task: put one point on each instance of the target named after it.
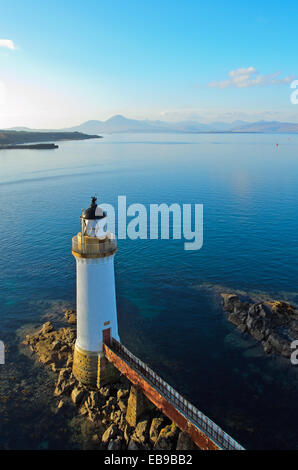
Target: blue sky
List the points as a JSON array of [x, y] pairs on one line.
[[67, 61]]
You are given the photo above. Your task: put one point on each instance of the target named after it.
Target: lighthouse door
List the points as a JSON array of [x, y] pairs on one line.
[[106, 336]]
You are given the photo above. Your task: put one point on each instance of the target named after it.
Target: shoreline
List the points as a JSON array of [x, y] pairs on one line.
[[105, 407], [29, 146], [16, 138]]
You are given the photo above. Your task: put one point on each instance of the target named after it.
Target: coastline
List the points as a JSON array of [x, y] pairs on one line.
[[15, 138], [30, 146], [105, 408]]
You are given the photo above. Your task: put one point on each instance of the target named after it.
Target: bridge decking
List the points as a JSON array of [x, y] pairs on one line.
[[203, 431]]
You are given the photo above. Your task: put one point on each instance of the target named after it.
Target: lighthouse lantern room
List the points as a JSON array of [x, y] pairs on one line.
[[94, 249]]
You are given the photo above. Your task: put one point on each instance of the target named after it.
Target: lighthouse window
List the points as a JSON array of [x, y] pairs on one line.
[[105, 228]]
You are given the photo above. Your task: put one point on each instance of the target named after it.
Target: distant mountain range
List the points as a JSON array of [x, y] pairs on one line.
[[121, 124]]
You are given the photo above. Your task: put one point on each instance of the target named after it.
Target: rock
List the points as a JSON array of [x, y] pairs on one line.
[[48, 357], [111, 404], [46, 328], [115, 444], [267, 347], [230, 302], [122, 393], [122, 405], [95, 399], [141, 431], [294, 327], [105, 391], [237, 311], [133, 445], [155, 428], [93, 415], [127, 432], [69, 361], [274, 324], [259, 321], [71, 316], [167, 439], [115, 417], [64, 375], [65, 382], [109, 434], [281, 344], [54, 348], [55, 345], [238, 319], [283, 309], [83, 410], [78, 395], [184, 442], [137, 445]]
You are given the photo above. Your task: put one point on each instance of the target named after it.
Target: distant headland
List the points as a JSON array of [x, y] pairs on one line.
[[30, 146], [12, 139]]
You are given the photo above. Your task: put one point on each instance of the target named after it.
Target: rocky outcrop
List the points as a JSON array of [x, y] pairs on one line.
[[70, 316], [156, 426], [167, 439], [54, 348], [110, 433], [105, 407], [274, 324]]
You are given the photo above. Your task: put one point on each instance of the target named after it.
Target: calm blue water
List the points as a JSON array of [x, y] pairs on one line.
[[249, 190]]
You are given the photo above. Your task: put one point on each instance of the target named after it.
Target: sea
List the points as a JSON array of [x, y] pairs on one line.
[[168, 299]]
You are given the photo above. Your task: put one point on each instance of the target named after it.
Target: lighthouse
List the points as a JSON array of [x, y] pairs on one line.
[[94, 249]]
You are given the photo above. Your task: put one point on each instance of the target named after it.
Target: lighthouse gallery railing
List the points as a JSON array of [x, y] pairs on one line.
[[214, 432], [94, 246]]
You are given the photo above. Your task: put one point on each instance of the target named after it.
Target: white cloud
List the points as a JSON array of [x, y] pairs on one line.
[[250, 77], [8, 44]]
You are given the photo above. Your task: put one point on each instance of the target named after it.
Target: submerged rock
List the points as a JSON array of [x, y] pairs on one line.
[[274, 324], [60, 404], [115, 444]]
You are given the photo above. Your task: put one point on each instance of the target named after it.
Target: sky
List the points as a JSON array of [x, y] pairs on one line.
[[63, 62]]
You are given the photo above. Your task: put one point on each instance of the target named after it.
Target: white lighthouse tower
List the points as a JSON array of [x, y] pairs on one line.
[[94, 249]]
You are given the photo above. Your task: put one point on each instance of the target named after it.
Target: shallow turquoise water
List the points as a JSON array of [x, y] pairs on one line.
[[249, 190]]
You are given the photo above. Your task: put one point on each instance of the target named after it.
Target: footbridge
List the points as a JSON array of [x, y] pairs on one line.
[[202, 430]]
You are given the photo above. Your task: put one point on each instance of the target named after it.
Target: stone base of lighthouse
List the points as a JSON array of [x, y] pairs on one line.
[[93, 369]]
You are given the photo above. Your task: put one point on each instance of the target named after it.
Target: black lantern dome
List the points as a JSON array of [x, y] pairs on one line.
[[94, 212]]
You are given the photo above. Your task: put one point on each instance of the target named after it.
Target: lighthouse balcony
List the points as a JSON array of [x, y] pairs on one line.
[[92, 247]]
